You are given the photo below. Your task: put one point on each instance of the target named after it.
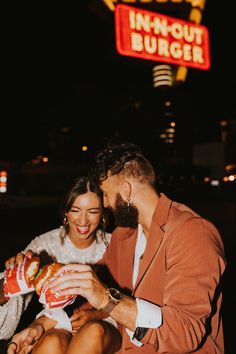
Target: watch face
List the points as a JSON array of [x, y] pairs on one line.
[[115, 294]]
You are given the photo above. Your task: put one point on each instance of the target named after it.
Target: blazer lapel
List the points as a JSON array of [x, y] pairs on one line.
[[126, 250], [156, 234]]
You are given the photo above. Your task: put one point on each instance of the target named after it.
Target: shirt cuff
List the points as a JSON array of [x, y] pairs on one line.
[[132, 339], [149, 315]]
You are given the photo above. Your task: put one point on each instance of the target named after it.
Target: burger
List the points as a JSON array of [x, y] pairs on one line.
[[44, 275], [46, 296]]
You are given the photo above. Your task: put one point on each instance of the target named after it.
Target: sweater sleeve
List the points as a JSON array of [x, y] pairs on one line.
[[10, 314], [12, 310]]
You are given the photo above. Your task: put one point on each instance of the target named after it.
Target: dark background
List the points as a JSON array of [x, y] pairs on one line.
[[60, 72]]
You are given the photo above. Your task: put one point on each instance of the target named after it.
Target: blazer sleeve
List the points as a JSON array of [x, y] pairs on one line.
[[194, 264]]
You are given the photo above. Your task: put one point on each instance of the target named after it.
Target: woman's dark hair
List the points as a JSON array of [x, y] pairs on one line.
[[82, 185]]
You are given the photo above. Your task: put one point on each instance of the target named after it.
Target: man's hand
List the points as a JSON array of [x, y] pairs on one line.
[[24, 341], [78, 279]]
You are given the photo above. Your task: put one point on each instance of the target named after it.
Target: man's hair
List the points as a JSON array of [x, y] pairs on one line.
[[126, 159]]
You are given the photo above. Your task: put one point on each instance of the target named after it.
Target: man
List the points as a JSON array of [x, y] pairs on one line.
[[166, 260]]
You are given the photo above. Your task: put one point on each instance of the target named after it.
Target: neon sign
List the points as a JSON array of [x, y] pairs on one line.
[[152, 36]]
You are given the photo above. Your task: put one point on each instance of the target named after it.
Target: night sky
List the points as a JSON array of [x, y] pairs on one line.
[[60, 71]]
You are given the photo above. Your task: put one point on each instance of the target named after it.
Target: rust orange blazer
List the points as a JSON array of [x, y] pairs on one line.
[[180, 271]]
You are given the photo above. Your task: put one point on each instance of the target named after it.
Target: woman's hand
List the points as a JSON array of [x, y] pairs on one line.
[[82, 316], [10, 262], [24, 341]]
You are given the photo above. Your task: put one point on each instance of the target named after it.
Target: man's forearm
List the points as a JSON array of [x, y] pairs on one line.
[[3, 300], [126, 312]]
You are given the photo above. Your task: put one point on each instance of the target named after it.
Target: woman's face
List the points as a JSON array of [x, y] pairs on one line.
[[84, 218]]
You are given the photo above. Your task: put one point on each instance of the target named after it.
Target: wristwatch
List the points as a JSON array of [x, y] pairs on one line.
[[114, 297]]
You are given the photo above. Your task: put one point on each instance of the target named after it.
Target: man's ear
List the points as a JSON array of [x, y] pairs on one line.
[[126, 190]]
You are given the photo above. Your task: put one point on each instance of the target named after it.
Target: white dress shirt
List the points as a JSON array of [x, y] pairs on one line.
[[149, 315]]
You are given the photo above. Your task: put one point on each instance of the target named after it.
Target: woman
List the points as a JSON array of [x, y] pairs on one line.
[[81, 239]]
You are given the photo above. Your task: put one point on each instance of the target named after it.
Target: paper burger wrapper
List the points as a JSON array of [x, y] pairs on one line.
[[54, 300], [17, 280], [59, 315], [46, 297]]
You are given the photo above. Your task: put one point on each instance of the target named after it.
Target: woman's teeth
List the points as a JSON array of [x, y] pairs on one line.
[[83, 229]]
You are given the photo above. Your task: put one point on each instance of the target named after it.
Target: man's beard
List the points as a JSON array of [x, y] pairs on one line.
[[124, 215]]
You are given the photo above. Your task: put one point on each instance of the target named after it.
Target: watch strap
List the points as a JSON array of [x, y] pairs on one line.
[[109, 306], [114, 297]]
